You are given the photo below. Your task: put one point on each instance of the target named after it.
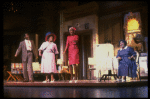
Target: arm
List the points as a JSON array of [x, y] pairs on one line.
[[67, 43], [65, 49], [19, 49], [133, 53], [56, 57], [56, 53], [118, 55], [41, 48], [40, 53]]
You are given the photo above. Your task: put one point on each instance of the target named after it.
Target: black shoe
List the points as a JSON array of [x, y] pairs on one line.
[[25, 81], [31, 80]]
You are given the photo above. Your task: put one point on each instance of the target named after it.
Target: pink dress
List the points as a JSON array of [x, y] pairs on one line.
[[73, 51], [48, 64]]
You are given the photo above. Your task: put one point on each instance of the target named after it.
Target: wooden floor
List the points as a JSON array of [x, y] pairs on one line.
[[79, 83]]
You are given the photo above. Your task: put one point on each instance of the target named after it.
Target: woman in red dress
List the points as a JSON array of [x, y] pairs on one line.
[[73, 51]]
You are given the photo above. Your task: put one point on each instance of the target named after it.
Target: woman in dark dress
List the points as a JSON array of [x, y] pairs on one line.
[[126, 62]]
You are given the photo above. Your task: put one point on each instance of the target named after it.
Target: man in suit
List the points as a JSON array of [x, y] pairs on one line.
[[28, 49]]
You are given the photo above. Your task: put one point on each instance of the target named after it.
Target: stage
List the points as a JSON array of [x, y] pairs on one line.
[[79, 83]]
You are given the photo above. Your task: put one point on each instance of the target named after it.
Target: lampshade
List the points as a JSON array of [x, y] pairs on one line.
[[59, 61], [91, 61]]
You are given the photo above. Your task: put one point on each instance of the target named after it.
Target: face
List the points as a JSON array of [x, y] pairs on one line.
[[71, 32], [50, 39], [26, 36], [122, 45]]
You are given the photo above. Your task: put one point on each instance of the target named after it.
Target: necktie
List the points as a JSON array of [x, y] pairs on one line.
[[29, 45]]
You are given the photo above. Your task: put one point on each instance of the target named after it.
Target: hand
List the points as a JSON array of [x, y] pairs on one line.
[[132, 56], [40, 53], [74, 41], [15, 55], [129, 57], [64, 52], [119, 57], [56, 62]]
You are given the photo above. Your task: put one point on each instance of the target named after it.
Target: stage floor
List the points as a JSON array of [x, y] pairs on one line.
[[79, 83]]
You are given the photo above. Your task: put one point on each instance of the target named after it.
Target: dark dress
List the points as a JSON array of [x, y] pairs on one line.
[[127, 67]]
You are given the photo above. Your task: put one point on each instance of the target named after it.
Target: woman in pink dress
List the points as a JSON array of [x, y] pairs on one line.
[[73, 51], [48, 62]]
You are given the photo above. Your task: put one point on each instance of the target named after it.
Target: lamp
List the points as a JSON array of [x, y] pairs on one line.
[[91, 61]]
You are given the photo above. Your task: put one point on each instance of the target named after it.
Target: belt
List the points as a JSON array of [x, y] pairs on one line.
[[28, 51]]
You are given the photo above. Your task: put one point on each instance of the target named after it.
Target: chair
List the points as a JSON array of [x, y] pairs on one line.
[[59, 62], [10, 76], [14, 77], [91, 61], [60, 68], [109, 63]]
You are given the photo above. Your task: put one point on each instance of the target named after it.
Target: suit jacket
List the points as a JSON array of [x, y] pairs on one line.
[[22, 46]]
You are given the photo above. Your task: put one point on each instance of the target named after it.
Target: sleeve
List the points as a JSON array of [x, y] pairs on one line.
[[118, 54], [19, 49], [41, 47], [132, 52], [56, 50], [76, 39]]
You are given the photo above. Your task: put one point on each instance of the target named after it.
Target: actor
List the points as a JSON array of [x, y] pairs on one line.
[[48, 61], [28, 49], [126, 63], [73, 51]]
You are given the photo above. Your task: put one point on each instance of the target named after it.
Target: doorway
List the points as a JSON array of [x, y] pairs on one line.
[[85, 46]]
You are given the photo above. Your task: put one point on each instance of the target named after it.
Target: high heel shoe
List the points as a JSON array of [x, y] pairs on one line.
[[52, 80], [70, 81], [45, 81]]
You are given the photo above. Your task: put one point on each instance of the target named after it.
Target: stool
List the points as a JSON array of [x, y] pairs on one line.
[[109, 74]]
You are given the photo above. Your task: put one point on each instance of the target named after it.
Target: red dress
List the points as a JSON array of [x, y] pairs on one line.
[[73, 51]]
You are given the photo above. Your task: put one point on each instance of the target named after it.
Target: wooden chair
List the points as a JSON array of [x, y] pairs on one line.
[[10, 76], [14, 77]]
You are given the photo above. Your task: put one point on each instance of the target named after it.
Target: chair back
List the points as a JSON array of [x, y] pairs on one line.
[[91, 61]]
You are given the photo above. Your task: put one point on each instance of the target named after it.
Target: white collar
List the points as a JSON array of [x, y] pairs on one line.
[[124, 47]]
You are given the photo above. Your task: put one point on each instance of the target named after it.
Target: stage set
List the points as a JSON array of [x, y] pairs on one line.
[[98, 64], [105, 72], [99, 34]]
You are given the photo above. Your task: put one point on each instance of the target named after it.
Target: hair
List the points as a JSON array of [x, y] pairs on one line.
[[49, 37], [25, 34], [72, 28], [125, 43]]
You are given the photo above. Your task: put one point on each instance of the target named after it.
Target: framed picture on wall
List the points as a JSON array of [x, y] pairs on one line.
[[86, 25]]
